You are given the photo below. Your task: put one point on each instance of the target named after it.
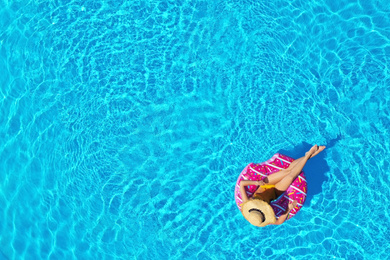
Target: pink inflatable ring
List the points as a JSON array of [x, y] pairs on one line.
[[258, 171]]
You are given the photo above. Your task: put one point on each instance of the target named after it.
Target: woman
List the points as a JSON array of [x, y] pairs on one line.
[[257, 209]]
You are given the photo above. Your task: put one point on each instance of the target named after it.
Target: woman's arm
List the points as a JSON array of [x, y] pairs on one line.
[[246, 183], [283, 217]]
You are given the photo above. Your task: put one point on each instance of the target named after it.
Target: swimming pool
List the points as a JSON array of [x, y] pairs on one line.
[[124, 126]]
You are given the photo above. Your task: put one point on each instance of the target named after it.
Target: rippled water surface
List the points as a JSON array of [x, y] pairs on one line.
[[124, 126]]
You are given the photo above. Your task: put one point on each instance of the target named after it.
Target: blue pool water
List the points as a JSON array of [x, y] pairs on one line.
[[124, 126]]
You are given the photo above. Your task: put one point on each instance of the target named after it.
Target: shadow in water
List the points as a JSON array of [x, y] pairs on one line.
[[315, 168]]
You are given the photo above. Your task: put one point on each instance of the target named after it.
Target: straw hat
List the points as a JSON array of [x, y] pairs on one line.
[[258, 212]]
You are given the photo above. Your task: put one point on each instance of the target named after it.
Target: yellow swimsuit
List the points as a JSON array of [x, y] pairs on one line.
[[268, 195]]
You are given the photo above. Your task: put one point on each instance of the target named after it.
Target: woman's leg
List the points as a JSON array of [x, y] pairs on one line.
[[286, 181], [278, 176], [292, 165]]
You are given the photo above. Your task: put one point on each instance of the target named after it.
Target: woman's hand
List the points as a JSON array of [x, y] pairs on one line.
[[292, 205], [260, 183]]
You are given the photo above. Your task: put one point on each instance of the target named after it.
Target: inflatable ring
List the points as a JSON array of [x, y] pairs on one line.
[[259, 171]]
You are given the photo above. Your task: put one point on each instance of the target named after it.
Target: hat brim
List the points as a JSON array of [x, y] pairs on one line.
[[254, 217]]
